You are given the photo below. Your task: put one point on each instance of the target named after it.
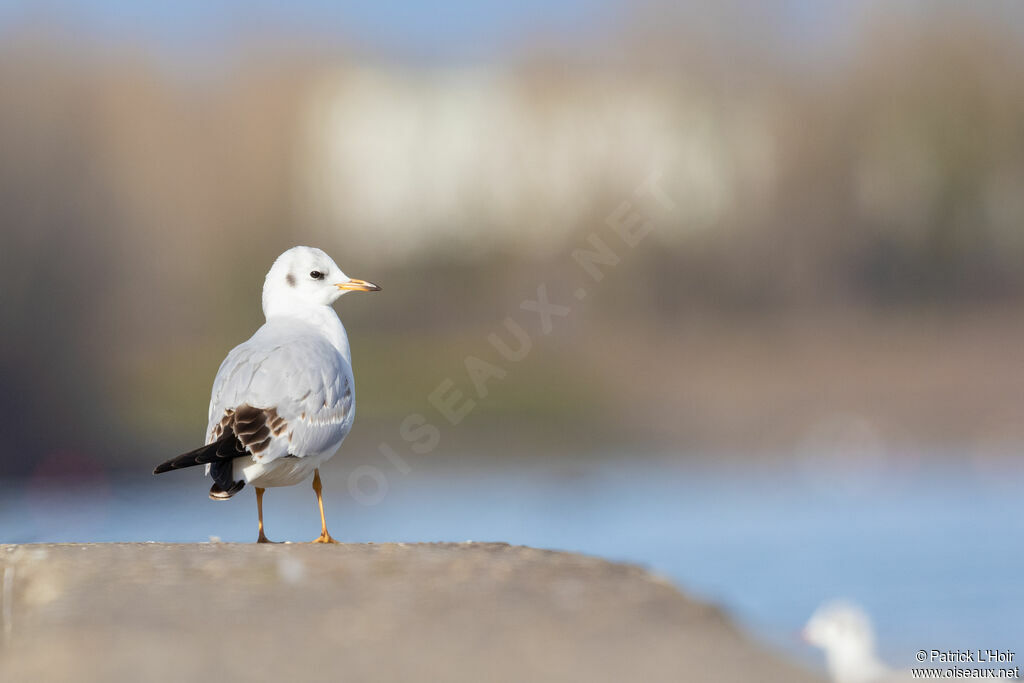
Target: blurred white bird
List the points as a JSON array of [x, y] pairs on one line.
[[284, 400], [843, 630]]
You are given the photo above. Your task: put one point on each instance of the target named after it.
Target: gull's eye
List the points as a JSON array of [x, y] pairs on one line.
[[317, 275]]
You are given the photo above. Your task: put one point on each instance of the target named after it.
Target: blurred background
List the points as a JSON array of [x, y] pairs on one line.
[[806, 382]]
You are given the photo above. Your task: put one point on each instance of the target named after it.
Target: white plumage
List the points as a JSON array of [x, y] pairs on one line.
[[843, 630], [284, 400], [290, 366]]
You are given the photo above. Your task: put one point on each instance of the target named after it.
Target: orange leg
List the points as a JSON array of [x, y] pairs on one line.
[[259, 509], [317, 487]]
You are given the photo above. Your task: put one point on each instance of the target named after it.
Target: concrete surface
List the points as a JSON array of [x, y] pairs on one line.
[[392, 612]]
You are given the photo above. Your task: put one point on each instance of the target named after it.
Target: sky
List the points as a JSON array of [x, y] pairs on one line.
[[445, 30], [450, 29]]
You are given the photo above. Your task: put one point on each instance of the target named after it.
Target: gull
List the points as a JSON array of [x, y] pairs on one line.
[[284, 400], [843, 630]]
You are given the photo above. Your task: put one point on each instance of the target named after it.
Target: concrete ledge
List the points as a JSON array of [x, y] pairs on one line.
[[393, 612]]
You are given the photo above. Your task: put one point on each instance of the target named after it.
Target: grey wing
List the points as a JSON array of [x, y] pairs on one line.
[[302, 381]]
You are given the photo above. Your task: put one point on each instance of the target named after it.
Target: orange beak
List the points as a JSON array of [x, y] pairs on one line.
[[354, 285]]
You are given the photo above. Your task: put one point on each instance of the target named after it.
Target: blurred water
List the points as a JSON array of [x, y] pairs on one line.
[[932, 550]]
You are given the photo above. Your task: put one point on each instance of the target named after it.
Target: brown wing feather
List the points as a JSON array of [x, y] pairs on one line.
[[242, 431]]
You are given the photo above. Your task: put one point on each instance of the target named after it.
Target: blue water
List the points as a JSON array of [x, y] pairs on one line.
[[933, 551]]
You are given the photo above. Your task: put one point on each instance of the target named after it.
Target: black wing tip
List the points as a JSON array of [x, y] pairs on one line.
[[163, 467], [225, 448]]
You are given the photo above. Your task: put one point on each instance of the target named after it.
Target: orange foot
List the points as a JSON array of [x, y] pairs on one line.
[[324, 538]]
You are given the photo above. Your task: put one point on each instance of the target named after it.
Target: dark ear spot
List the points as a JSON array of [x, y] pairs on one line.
[[290, 279]]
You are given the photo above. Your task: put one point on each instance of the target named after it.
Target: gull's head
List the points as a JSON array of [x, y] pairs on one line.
[[843, 630], [306, 276]]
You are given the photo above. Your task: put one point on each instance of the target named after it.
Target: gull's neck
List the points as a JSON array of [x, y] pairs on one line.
[[321, 317]]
